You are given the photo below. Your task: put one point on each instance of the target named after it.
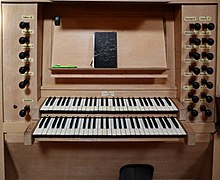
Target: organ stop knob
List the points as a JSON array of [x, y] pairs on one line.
[[23, 55], [195, 26], [209, 56], [194, 55], [24, 83], [194, 84], [208, 84], [24, 25], [23, 40], [194, 98], [209, 26], [24, 111], [207, 112], [208, 98], [193, 112], [24, 69]]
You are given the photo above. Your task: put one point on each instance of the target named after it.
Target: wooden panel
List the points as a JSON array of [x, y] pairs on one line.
[[89, 161]]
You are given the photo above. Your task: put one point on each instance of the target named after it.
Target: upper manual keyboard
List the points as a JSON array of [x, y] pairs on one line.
[[108, 105]]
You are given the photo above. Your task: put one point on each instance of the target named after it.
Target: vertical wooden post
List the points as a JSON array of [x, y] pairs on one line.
[[2, 171]]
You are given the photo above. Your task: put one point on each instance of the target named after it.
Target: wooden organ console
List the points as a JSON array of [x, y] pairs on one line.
[[89, 86]]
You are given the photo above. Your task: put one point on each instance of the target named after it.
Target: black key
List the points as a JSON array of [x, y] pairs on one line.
[[54, 122], [68, 101], [48, 101], [161, 101], [102, 123], [132, 123], [124, 122], [107, 123], [145, 123], [102, 102], [74, 101], [47, 122], [113, 101], [145, 101], [59, 123], [71, 123], [42, 122], [106, 101], [122, 101], [84, 122], [90, 102], [141, 102], [117, 102], [134, 102], [94, 123], [150, 123], [157, 102], [86, 101], [114, 123], [154, 122], [77, 123], [162, 122], [174, 122], [89, 122], [63, 101], [59, 101], [167, 122], [52, 102], [150, 102], [119, 123], [79, 101], [137, 122], [95, 101], [64, 123], [129, 102], [168, 101]]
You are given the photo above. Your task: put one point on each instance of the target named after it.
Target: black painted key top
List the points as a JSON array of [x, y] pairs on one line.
[[150, 102], [52, 102], [74, 101], [107, 123], [71, 123], [167, 122], [42, 122], [132, 123], [102, 123], [124, 122], [47, 122], [68, 101], [134, 102], [119, 123], [76, 123], [122, 101], [89, 122], [63, 101], [64, 123], [174, 122], [154, 122], [156, 101], [137, 122], [59, 101], [145, 123], [54, 122], [79, 101], [94, 123], [150, 123], [162, 122], [161, 101], [141, 102], [168, 101], [84, 123], [48, 101], [145, 101], [59, 122], [114, 123]]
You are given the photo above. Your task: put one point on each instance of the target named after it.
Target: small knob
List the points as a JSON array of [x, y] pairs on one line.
[[195, 26], [23, 40], [24, 69], [194, 55], [207, 112], [24, 111], [193, 112], [195, 70], [208, 41], [208, 84], [23, 55], [194, 84], [194, 98], [24, 83], [195, 41], [209, 26], [24, 25], [209, 56], [208, 98], [209, 70]]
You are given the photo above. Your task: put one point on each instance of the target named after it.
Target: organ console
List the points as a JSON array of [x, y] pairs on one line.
[[152, 101]]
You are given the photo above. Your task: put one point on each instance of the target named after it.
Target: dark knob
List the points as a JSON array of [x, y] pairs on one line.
[[23, 40], [193, 112], [23, 55], [194, 55], [208, 98], [24, 111], [208, 113], [209, 56], [196, 70], [209, 26], [24, 25], [57, 20], [194, 84], [208, 84], [208, 41], [194, 98], [24, 83], [195, 26], [195, 41], [209, 70], [24, 69]]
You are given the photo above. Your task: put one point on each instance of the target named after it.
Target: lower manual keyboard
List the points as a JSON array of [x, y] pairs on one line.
[[108, 127]]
